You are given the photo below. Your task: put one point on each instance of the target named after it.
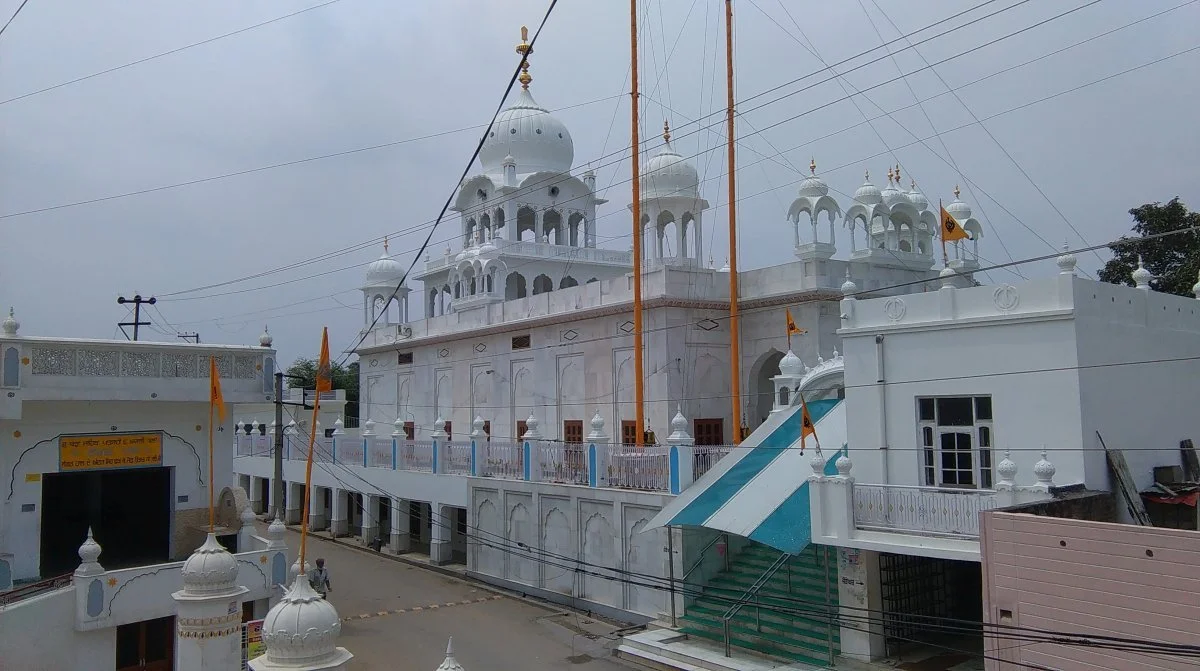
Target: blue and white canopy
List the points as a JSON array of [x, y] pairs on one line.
[[760, 490]]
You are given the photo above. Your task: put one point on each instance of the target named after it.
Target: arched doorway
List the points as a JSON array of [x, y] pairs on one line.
[[763, 389]]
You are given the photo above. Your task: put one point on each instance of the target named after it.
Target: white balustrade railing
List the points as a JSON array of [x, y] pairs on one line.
[[455, 459], [928, 510], [415, 455], [350, 452], [563, 462], [379, 452], [647, 469], [705, 457], [503, 460]]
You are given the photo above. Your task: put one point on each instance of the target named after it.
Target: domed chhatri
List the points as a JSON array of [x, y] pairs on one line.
[[917, 198], [301, 631], [669, 175], [868, 193], [384, 271], [813, 186], [266, 339], [958, 209], [210, 569], [10, 325], [527, 133], [791, 365]]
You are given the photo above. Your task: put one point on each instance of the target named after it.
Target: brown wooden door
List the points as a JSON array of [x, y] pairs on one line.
[[709, 431], [573, 431], [146, 646], [487, 429], [628, 432], [410, 431], [521, 428], [573, 439], [448, 432]]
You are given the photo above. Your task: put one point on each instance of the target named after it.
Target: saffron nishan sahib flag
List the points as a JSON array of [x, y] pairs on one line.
[[324, 380], [951, 229], [214, 387], [792, 329]]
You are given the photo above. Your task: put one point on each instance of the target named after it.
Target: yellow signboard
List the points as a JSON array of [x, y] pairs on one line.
[[109, 450]]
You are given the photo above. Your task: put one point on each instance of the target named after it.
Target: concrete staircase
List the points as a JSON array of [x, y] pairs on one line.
[[803, 583]]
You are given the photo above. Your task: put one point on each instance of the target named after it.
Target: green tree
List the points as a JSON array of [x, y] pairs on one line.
[[303, 375], [1174, 260]]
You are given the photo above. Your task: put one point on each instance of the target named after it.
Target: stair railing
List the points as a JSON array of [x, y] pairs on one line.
[[752, 593], [703, 553]]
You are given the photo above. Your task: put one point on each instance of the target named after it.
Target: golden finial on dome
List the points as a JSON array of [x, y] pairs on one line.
[[666, 131], [524, 49], [385, 244], [866, 175], [956, 192], [890, 175], [897, 174], [812, 166]]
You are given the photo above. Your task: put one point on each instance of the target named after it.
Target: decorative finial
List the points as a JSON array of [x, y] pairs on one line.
[[524, 49], [956, 192], [866, 175], [385, 244], [912, 184], [812, 165], [890, 174], [897, 174], [666, 131], [1141, 276]]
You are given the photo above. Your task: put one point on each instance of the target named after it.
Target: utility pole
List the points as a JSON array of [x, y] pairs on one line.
[[190, 337], [137, 301]]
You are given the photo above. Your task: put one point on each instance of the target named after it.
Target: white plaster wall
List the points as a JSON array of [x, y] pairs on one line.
[[39, 635], [185, 449], [1025, 359], [1143, 409], [562, 524]]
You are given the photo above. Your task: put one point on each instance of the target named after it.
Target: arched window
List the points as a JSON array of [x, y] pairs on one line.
[[783, 396], [12, 367], [268, 375]]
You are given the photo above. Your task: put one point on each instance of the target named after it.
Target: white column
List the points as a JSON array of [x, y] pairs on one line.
[[440, 551], [860, 591], [400, 521], [370, 520], [316, 509], [338, 526]]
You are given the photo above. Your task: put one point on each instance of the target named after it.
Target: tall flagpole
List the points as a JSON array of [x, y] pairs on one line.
[[639, 393], [212, 509], [734, 331], [312, 437], [942, 233]]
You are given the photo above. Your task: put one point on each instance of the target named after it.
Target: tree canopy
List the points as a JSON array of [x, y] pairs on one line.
[[1174, 260], [303, 375]]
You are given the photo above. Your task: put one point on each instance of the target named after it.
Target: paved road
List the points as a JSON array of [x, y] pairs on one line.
[[422, 608]]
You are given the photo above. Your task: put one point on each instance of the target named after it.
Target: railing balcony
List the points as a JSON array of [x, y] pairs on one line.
[[923, 510]]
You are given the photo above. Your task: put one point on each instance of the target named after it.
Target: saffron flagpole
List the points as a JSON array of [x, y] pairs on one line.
[[216, 402], [324, 382]]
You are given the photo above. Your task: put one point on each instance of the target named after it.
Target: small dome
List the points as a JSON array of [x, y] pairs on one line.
[[918, 199], [302, 628], [450, 664], [384, 271], [679, 422], [1141, 276], [892, 195], [527, 135], [868, 193], [265, 339], [849, 287], [209, 569], [597, 423], [724, 268], [958, 209], [10, 325], [668, 174], [813, 186], [1066, 261], [1007, 469], [89, 556], [791, 365]]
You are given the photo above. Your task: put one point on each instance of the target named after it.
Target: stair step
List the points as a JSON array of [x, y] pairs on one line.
[[763, 645], [803, 624]]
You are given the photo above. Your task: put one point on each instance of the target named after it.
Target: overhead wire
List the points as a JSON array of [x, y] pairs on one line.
[[13, 17]]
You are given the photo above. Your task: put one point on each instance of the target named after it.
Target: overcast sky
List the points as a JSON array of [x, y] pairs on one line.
[[359, 73]]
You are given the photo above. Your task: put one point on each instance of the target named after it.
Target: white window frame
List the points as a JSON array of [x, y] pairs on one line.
[[983, 458]]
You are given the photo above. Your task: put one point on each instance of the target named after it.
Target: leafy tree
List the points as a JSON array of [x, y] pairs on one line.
[[303, 375], [1174, 260]]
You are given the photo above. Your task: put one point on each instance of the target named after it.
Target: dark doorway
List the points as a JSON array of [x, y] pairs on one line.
[[146, 646], [129, 512]]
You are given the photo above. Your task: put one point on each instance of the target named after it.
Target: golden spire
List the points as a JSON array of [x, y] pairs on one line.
[[866, 175], [524, 49], [956, 192], [890, 175], [812, 166], [897, 174], [666, 131], [385, 244]]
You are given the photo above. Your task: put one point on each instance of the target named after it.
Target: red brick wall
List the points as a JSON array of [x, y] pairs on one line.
[[1092, 578]]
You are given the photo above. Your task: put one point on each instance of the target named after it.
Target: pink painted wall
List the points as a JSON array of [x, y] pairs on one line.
[[1091, 578]]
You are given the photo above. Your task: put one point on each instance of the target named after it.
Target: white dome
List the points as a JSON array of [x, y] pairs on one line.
[[958, 209], [813, 186], [210, 569], [893, 196], [791, 365], [918, 199], [668, 174], [302, 627], [868, 193], [265, 339], [533, 138], [10, 324], [384, 271]]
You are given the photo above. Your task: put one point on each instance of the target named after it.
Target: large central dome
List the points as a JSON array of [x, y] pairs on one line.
[[532, 136]]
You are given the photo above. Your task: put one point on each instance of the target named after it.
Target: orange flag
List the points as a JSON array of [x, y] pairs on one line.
[[806, 425], [214, 385], [792, 329], [951, 229], [324, 369]]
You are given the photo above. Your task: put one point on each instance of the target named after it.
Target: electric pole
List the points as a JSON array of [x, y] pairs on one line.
[[190, 337], [277, 490], [137, 301]]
